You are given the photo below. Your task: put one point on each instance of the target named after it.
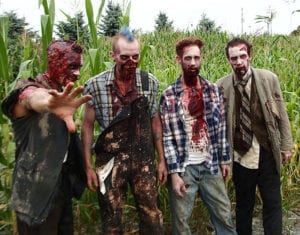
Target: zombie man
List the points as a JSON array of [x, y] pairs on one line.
[[124, 104], [48, 170], [259, 135], [196, 149]]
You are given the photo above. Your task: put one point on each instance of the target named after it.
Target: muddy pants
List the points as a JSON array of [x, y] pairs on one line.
[[129, 140], [140, 176]]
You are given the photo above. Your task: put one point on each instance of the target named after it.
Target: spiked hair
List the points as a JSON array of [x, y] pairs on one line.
[[124, 33]]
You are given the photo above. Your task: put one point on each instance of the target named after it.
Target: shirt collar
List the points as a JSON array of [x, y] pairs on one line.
[[247, 76], [111, 77]]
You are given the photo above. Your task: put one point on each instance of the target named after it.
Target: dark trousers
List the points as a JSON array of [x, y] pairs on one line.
[[267, 179], [60, 218]]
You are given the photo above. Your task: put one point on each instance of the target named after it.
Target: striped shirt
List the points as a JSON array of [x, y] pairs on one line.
[[101, 86], [175, 137]]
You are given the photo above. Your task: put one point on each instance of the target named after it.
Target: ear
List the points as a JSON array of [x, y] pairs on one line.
[[178, 59], [250, 57], [112, 55]]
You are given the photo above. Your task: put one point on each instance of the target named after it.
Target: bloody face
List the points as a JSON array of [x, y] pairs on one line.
[[127, 58], [239, 60], [64, 63], [128, 69], [190, 64]]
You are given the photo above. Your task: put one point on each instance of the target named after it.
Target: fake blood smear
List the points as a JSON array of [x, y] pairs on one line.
[[63, 60], [196, 110]]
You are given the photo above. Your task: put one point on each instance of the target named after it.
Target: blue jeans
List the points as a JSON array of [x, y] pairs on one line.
[[212, 191]]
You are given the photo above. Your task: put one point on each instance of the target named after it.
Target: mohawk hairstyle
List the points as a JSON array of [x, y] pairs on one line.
[[127, 33]]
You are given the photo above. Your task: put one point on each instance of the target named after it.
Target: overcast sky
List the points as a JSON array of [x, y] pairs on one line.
[[227, 14]]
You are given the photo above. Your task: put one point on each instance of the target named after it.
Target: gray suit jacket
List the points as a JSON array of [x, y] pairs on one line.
[[274, 111]]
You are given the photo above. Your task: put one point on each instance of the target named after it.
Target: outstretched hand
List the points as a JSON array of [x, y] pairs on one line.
[[64, 104]]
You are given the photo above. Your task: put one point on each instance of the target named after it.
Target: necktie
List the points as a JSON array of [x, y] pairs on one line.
[[245, 116]]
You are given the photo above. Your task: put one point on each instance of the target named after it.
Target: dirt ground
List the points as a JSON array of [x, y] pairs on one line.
[[291, 223]]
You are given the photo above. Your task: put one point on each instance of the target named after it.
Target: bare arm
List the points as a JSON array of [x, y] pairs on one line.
[[32, 98], [87, 140], [63, 104], [157, 135]]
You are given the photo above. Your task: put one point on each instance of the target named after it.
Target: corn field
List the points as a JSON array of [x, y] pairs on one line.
[[280, 54]]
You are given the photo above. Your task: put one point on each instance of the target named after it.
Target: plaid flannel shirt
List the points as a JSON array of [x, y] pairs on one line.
[[175, 137], [100, 88]]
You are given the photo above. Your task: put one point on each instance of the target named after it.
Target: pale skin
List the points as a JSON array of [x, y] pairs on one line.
[[191, 59], [126, 57], [63, 104], [87, 133], [240, 60]]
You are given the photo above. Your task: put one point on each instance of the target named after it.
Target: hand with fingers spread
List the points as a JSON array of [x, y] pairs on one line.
[[64, 104]]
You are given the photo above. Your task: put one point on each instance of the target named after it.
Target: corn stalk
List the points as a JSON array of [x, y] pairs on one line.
[[47, 22]]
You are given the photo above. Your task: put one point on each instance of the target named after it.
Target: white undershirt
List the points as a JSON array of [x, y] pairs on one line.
[[197, 151]]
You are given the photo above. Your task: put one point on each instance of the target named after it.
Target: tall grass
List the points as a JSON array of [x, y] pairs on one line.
[[281, 54]]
